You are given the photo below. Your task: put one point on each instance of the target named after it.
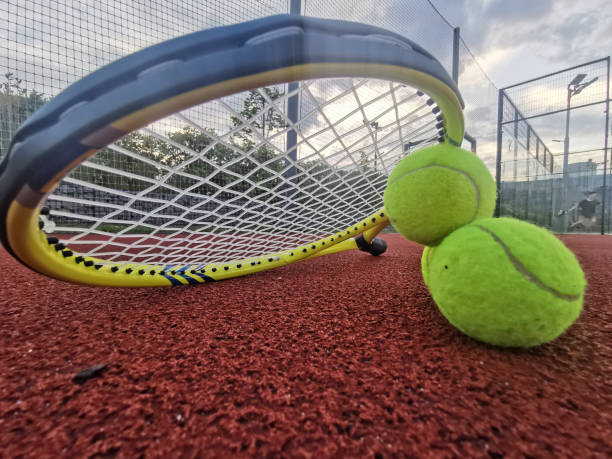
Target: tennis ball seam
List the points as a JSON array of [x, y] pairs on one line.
[[526, 274], [428, 259], [459, 171]]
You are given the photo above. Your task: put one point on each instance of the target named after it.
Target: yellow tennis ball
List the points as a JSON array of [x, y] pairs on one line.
[[425, 257], [506, 282], [436, 190]]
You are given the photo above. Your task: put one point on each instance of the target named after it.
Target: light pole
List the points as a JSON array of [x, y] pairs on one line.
[[573, 88]]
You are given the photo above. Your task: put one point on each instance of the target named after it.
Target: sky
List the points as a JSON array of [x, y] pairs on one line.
[[521, 39], [513, 40], [518, 40]]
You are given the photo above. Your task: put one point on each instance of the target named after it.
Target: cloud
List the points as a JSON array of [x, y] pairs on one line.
[[513, 40], [523, 39], [576, 27], [536, 37], [516, 10]]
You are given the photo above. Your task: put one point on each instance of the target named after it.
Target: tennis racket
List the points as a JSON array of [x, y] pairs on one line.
[[222, 153]]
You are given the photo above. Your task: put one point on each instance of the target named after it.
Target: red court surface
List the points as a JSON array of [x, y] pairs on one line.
[[344, 356]]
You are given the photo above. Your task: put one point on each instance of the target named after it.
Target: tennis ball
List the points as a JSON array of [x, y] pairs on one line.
[[506, 282], [427, 253], [434, 191]]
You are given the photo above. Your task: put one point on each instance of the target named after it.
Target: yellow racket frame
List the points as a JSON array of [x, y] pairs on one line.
[[33, 248]]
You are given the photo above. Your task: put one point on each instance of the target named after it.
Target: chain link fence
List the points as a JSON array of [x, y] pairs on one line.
[[552, 150], [419, 21], [48, 45]]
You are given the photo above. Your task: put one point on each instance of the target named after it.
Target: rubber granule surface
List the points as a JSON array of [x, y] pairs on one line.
[[344, 355]]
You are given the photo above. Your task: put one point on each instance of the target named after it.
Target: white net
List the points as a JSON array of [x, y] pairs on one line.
[[224, 180]]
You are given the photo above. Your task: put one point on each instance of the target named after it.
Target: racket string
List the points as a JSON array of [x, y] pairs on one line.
[[178, 191]]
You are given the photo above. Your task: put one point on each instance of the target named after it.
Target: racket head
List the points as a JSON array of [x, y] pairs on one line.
[[173, 76]]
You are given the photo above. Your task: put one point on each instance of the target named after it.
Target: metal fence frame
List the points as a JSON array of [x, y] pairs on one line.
[[504, 98]]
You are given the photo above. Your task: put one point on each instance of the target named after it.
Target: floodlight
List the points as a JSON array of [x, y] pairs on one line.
[[578, 78], [579, 88]]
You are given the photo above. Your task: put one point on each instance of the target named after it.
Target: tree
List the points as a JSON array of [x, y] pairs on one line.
[[16, 106], [164, 153], [253, 111], [207, 165]]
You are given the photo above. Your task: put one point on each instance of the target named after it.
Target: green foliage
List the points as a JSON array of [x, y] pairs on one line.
[[195, 159], [267, 121], [143, 146], [16, 106], [202, 157]]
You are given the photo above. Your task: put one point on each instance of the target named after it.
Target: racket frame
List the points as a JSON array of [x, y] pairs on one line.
[[141, 88]]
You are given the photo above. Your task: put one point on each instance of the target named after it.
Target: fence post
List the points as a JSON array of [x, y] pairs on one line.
[[456, 42], [500, 116], [293, 113], [604, 192]]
